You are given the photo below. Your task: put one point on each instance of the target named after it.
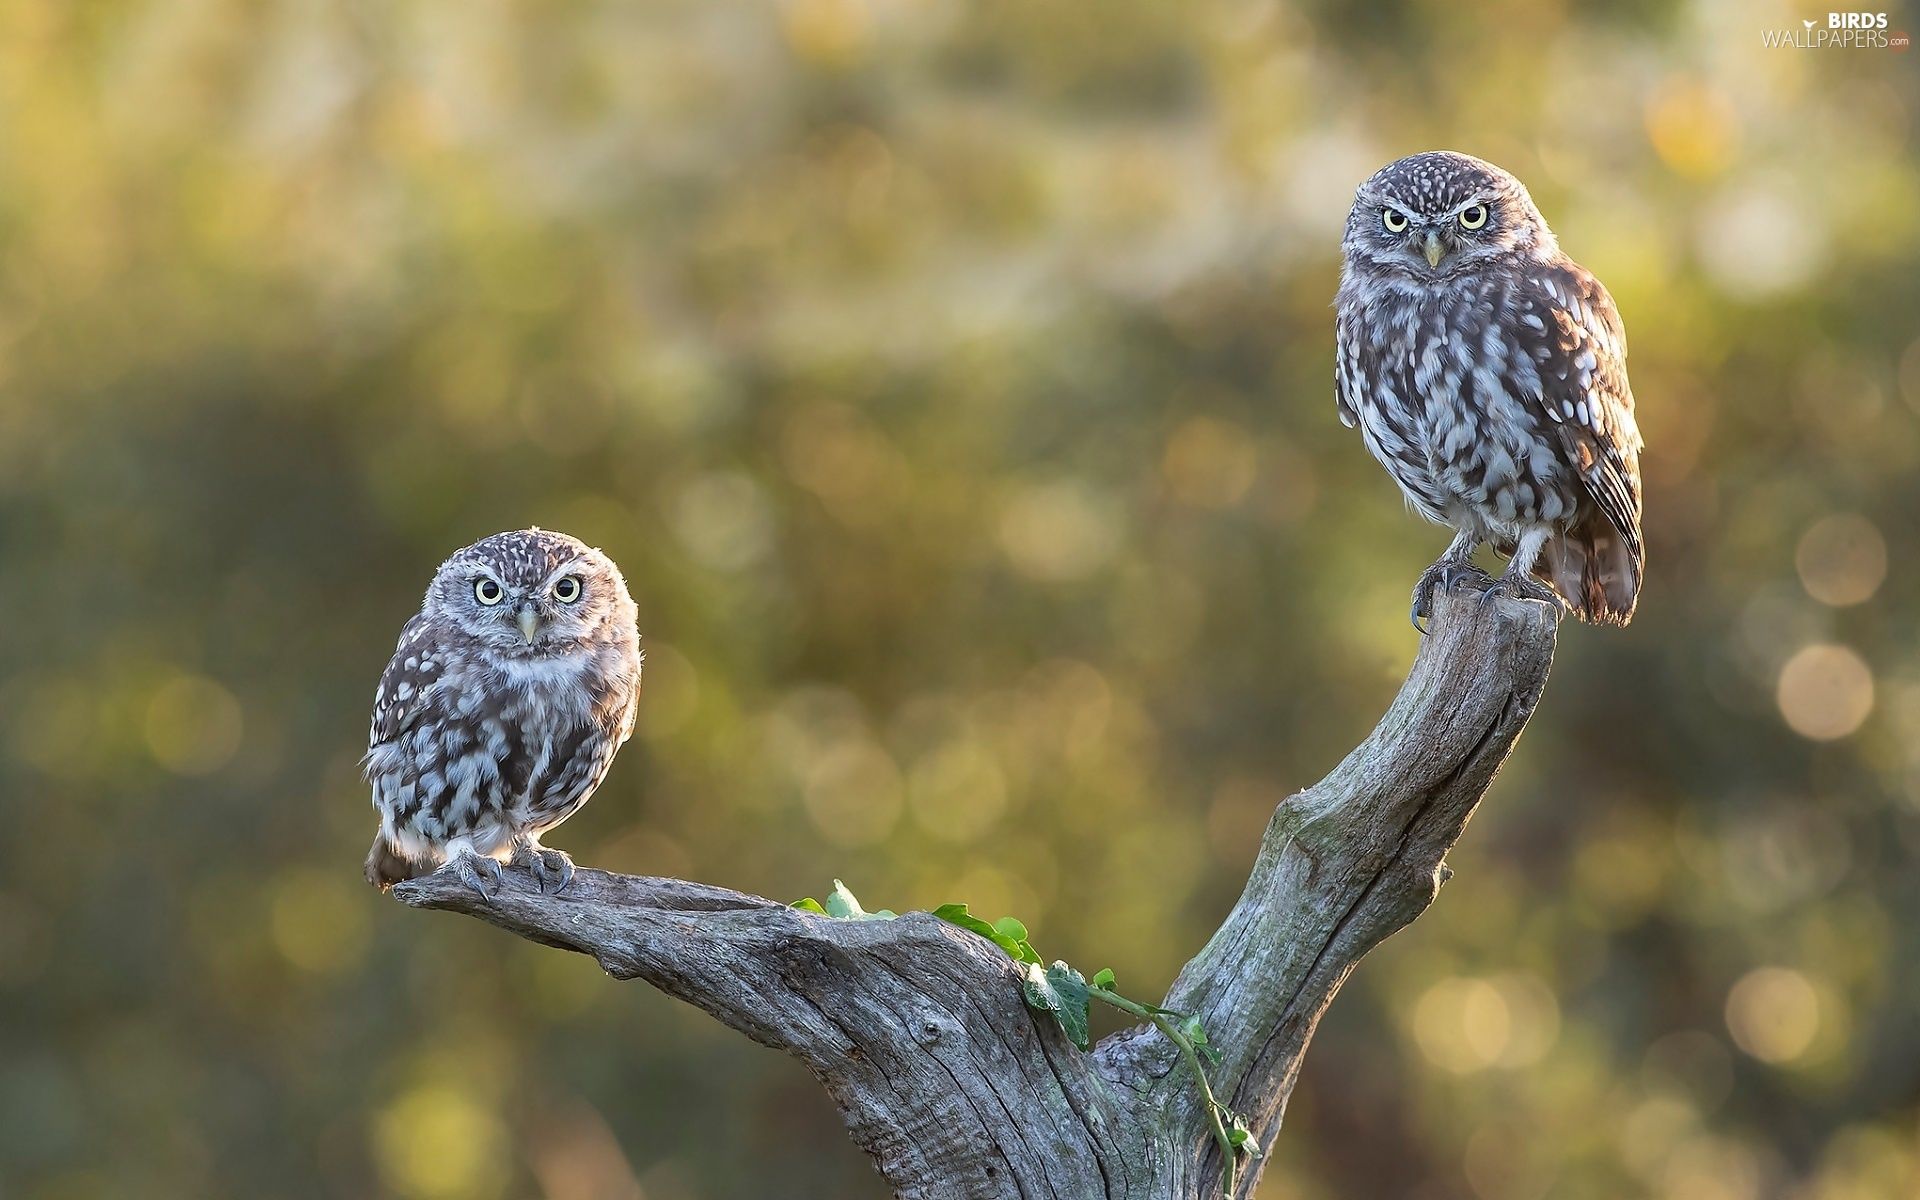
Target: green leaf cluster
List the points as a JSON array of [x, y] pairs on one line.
[[1008, 933]]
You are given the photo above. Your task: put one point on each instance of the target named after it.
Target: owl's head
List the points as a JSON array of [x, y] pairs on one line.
[[1439, 215], [532, 593]]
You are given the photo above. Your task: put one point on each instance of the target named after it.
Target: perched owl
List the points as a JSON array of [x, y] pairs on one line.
[[1487, 372], [501, 710]]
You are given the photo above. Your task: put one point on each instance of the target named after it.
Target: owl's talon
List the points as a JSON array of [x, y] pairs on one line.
[[555, 866], [1423, 601], [1453, 574], [476, 870], [1520, 587], [1447, 574], [548, 866]]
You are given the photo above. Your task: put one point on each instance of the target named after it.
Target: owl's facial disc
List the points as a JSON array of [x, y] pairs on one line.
[[1438, 216], [530, 594]]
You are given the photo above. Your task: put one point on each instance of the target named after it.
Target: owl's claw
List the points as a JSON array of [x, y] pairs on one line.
[[1448, 574], [475, 870], [1521, 587], [553, 867], [549, 866]]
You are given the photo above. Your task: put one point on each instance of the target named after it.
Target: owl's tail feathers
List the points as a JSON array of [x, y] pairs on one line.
[[1595, 569], [386, 867]]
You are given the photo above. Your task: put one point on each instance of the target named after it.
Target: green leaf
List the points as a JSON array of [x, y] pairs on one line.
[[1103, 979], [957, 914], [1062, 991], [1240, 1136], [1011, 935], [1017, 948], [808, 904], [841, 903], [1196, 1033], [843, 906]]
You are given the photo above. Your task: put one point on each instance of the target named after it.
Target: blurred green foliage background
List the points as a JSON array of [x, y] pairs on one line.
[[952, 382]]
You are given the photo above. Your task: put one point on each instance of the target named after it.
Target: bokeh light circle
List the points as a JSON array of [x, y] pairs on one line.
[[1825, 692]]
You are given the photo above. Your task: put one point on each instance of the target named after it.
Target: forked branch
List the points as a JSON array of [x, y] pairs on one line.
[[919, 1030]]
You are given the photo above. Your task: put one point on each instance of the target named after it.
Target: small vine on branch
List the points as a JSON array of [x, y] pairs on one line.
[[1065, 993]]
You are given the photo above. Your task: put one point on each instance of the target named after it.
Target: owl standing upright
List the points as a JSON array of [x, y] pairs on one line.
[[1487, 372], [501, 710]]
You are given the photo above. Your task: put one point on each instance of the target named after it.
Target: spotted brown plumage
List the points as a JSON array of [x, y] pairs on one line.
[[1487, 372], [502, 708]]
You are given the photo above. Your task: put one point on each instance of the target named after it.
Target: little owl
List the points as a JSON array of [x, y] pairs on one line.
[[1487, 372], [501, 710]]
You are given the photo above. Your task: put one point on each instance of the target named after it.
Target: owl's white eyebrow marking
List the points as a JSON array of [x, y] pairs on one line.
[[569, 567]]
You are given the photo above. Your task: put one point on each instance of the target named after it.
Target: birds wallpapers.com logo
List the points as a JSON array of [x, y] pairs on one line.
[[1838, 31]]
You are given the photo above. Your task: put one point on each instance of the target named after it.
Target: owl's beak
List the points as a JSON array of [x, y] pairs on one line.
[[1435, 251], [528, 618]]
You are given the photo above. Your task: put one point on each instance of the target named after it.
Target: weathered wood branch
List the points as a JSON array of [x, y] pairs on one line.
[[919, 1030]]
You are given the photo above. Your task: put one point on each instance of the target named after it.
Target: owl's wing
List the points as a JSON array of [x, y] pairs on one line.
[[1567, 323], [1349, 415], [404, 685]]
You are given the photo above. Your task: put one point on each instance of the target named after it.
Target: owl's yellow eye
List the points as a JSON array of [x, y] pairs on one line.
[[567, 590], [1396, 222], [487, 592], [1473, 217]]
